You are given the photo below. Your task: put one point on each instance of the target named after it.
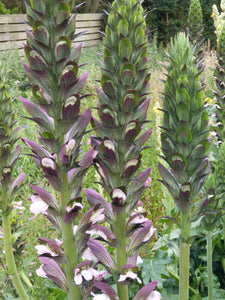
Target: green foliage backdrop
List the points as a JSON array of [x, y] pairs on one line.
[[170, 16]]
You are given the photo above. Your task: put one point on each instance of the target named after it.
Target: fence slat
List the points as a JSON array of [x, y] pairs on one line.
[[13, 35]]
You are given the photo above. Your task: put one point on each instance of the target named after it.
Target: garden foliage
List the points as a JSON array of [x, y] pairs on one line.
[[93, 239]]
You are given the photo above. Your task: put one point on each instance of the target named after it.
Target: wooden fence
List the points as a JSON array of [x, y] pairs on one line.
[[13, 35]]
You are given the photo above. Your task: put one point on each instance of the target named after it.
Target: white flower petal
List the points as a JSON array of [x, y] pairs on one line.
[[40, 272], [130, 275], [77, 277], [101, 297], [87, 274], [38, 205], [88, 255], [150, 233], [154, 296], [42, 249]]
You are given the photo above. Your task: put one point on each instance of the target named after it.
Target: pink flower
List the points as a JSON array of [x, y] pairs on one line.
[[19, 205], [140, 203], [149, 180]]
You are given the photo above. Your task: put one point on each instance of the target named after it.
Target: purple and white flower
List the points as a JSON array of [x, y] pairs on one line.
[[129, 272]]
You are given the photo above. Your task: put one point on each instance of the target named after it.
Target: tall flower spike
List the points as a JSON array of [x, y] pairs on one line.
[[184, 135], [195, 31], [53, 70], [219, 92], [9, 154], [185, 143], [123, 104]]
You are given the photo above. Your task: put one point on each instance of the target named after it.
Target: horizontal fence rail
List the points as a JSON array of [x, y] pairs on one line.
[[13, 35]]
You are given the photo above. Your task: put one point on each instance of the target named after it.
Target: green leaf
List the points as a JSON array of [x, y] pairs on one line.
[[183, 112], [65, 7], [122, 28], [41, 35], [38, 5], [183, 133], [139, 36], [167, 296], [125, 49], [127, 77], [154, 268], [123, 11]]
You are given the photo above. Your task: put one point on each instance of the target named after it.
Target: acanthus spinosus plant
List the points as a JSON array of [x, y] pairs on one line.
[[9, 154], [120, 138], [185, 144], [53, 71]]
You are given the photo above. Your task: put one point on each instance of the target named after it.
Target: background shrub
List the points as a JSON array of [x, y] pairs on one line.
[[170, 16]]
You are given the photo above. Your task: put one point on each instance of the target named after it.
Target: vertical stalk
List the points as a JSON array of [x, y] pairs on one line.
[[209, 265], [121, 256], [223, 220], [70, 250], [184, 256], [10, 257]]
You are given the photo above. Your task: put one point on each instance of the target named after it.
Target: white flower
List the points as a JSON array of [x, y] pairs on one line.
[[87, 274], [98, 216], [40, 272], [38, 205], [97, 232], [18, 205], [130, 275], [139, 260], [138, 219], [154, 296], [88, 255], [42, 249], [150, 233], [100, 297]]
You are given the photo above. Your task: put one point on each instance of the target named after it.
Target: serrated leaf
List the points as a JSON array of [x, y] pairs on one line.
[[167, 296], [154, 268]]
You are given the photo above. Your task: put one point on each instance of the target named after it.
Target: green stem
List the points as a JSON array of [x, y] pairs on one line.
[[223, 230], [184, 256], [25, 279], [6, 221], [121, 255], [69, 245], [177, 278], [209, 265]]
